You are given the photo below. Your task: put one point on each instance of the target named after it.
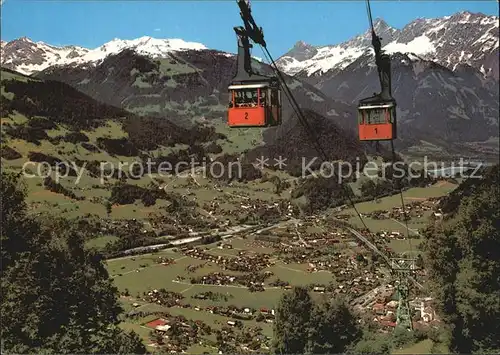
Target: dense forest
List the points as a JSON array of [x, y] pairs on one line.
[[57, 296], [303, 326]]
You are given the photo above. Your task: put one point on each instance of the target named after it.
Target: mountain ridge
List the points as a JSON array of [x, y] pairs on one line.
[[38, 56], [185, 82], [462, 38], [194, 82]]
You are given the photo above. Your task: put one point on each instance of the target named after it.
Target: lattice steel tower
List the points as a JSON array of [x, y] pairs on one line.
[[404, 269]]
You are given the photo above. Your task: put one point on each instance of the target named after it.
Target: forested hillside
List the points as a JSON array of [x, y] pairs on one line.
[[463, 259], [57, 296]]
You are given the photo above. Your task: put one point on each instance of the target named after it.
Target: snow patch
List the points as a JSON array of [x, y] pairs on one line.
[[332, 112], [329, 57], [420, 45], [144, 45], [314, 96], [325, 59]]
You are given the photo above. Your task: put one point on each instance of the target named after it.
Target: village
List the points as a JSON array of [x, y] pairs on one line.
[[326, 257], [227, 276], [414, 209]]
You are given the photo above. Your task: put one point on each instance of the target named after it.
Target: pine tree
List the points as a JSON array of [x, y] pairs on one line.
[[292, 322], [333, 328]]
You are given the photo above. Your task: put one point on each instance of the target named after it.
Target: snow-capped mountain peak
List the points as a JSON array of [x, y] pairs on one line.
[[27, 56], [463, 38], [311, 60], [381, 26]]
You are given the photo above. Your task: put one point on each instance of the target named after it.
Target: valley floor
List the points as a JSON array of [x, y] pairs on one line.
[[183, 273]]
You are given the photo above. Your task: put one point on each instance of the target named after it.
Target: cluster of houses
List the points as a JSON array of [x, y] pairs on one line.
[[306, 247], [382, 303], [416, 209], [424, 311], [385, 311], [388, 235], [248, 280], [243, 262], [213, 296], [241, 313], [247, 341], [256, 207], [163, 297], [355, 272], [175, 334], [163, 260]]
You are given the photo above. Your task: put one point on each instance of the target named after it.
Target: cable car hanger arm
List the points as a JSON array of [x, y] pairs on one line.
[[382, 60], [376, 40], [254, 32], [244, 64]]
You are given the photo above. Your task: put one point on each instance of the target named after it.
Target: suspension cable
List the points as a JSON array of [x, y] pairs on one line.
[[402, 199], [293, 102], [370, 19], [314, 139], [369, 11], [348, 191]]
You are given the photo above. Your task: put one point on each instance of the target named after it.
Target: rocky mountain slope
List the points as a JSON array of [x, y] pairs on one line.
[[442, 104], [185, 86], [305, 60], [444, 72], [464, 38], [191, 86], [32, 108]]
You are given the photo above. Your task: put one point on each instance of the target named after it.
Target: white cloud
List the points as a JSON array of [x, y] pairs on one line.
[[157, 29]]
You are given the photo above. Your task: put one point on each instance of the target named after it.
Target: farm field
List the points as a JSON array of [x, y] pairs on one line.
[[417, 221], [426, 346]]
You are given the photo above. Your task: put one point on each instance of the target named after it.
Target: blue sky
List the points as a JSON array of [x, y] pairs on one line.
[[91, 23]]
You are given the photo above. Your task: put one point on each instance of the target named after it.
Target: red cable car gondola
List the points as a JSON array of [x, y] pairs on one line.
[[377, 114], [377, 120], [254, 105], [254, 100]]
